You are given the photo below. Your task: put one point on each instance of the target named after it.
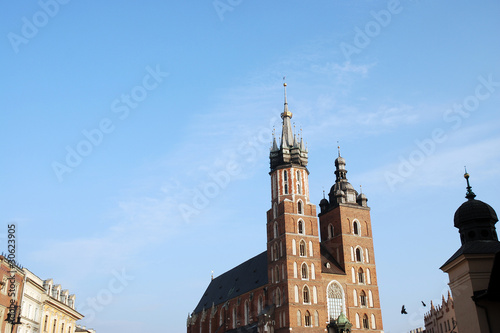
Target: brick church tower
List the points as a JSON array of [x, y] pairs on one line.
[[308, 279]]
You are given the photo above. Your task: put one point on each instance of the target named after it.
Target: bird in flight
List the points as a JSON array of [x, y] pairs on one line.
[[403, 310], [423, 303]]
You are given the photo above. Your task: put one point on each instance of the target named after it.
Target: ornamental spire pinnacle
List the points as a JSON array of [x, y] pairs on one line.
[[469, 195], [287, 134]]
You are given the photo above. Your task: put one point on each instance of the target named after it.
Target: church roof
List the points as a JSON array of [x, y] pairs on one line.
[[243, 278], [327, 257]]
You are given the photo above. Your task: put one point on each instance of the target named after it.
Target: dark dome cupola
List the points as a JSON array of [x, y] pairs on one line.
[[475, 219]]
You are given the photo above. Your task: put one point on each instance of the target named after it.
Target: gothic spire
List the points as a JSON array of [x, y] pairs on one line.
[[287, 135]]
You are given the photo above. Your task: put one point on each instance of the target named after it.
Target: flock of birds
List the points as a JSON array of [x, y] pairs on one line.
[[403, 309]]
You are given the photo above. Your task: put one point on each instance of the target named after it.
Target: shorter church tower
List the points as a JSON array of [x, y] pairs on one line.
[[346, 233]]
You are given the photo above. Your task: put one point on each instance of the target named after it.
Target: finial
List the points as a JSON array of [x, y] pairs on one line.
[[338, 147], [469, 195], [212, 275], [360, 189], [324, 193]]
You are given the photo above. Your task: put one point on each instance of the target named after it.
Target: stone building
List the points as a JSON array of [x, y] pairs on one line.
[[313, 276], [474, 269], [441, 318]]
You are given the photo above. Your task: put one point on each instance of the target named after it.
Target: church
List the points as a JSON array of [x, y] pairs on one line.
[[318, 272]]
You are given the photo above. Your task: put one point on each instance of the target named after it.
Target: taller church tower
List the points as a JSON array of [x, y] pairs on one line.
[[294, 265]]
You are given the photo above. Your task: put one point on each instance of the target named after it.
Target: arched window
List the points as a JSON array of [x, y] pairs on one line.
[[361, 276], [362, 298], [368, 277], [299, 318], [313, 272], [282, 271], [277, 274], [300, 227], [315, 295], [304, 270], [370, 298], [286, 188], [355, 228], [316, 318], [353, 273], [299, 190], [367, 257], [305, 294], [335, 297], [355, 297], [278, 297], [281, 249], [298, 175], [259, 306], [307, 319], [365, 321], [234, 317], [359, 257], [374, 326], [302, 248], [299, 207], [275, 210], [310, 248], [296, 289], [295, 270], [247, 312], [358, 325], [330, 231], [275, 229], [285, 179], [294, 247]]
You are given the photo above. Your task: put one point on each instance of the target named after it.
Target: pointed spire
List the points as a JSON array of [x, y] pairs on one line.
[[469, 195], [287, 135]]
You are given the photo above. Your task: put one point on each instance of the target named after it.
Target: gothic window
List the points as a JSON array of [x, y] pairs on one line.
[[300, 227], [302, 249], [299, 207], [365, 321], [330, 231], [282, 271], [368, 277], [362, 298], [259, 306], [278, 297], [370, 298], [310, 248], [281, 249], [367, 258], [316, 318], [275, 229], [294, 247], [355, 228], [275, 210], [299, 318], [295, 270], [299, 191], [357, 321], [296, 289], [298, 176], [335, 300], [234, 317], [355, 297], [275, 251], [313, 272], [307, 319], [374, 326], [277, 274], [353, 274], [358, 255], [305, 293], [285, 179], [361, 276], [305, 273], [315, 295]]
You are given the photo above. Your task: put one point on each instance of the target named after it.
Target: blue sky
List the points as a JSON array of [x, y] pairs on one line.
[[175, 94]]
